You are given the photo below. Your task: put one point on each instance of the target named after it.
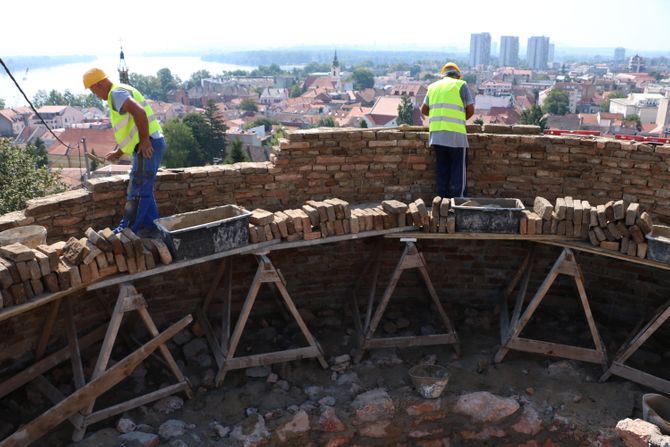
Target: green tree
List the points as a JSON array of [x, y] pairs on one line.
[[237, 153], [38, 150], [363, 124], [265, 122], [40, 98], [295, 91], [635, 118], [21, 180], [326, 121], [216, 149], [605, 103], [202, 135], [315, 67], [405, 109], [94, 162], [2, 103], [362, 78], [271, 70], [479, 121], [196, 79], [278, 135], [533, 116], [166, 81], [182, 148], [148, 85], [249, 105], [557, 102]]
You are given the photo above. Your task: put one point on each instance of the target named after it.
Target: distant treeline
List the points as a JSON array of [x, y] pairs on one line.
[[20, 63], [346, 57]]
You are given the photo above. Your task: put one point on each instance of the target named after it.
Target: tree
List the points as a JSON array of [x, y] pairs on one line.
[[237, 153], [272, 70], [182, 148], [557, 102], [479, 121], [296, 91], [21, 180], [167, 82], [363, 124], [405, 109], [40, 98], [216, 150], [94, 162], [196, 79], [635, 118], [326, 121], [363, 78], [149, 85], [39, 152], [533, 116], [201, 133], [249, 105], [265, 122], [605, 104]]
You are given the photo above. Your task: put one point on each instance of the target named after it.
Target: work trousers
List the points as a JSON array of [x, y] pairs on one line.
[[141, 209], [451, 171]]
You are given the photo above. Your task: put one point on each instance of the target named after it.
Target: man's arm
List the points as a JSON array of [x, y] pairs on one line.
[[425, 109], [141, 122], [469, 111]]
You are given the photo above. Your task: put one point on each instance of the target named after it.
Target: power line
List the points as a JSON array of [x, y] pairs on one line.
[[33, 107]]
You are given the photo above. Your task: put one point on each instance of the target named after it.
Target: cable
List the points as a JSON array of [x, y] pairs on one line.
[[33, 107]]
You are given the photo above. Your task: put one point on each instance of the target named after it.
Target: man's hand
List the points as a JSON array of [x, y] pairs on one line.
[[145, 149], [114, 156]]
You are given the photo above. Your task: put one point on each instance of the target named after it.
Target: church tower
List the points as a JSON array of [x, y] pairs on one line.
[[335, 68], [123, 69]]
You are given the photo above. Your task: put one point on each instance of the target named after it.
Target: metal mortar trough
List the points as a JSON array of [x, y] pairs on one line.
[[429, 380], [487, 214], [656, 409], [659, 244]]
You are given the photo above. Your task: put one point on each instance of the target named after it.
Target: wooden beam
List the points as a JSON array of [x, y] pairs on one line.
[[556, 349], [484, 236], [42, 300], [271, 358], [640, 377], [81, 398], [409, 341]]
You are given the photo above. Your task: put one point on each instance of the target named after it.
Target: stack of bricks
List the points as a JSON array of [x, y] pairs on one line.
[[617, 227], [442, 216], [322, 219], [566, 217], [27, 273]]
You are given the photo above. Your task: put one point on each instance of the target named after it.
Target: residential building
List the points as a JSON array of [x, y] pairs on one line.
[[619, 54], [494, 88], [11, 123], [537, 54], [663, 116], [59, 117], [273, 95], [509, 51], [98, 141], [644, 105], [384, 113], [415, 90], [550, 54], [480, 49]]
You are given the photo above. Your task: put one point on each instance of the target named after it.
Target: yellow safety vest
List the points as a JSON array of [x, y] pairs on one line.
[[446, 108], [125, 131]]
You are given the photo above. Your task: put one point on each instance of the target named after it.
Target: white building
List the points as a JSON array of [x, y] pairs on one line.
[[59, 117], [619, 54], [480, 49], [644, 105], [509, 51], [537, 54], [273, 95]]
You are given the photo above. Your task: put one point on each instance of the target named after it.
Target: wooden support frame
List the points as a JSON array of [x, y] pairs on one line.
[[224, 348], [128, 300], [565, 264], [634, 343], [411, 258]]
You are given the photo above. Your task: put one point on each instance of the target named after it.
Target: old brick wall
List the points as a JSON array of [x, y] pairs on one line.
[[372, 165]]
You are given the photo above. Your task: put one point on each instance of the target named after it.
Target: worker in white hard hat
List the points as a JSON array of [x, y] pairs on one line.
[[448, 105], [139, 135]]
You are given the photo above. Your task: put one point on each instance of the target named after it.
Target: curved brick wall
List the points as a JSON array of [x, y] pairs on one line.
[[372, 165]]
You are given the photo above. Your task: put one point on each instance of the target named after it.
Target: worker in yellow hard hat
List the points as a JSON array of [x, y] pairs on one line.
[[449, 104], [139, 135]]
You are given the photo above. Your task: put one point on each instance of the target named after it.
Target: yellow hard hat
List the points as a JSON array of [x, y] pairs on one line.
[[450, 66], [93, 76]]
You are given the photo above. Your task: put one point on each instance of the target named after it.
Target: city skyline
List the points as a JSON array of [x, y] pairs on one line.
[[203, 27]]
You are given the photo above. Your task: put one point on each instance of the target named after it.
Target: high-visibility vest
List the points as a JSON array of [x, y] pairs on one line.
[[446, 109], [125, 131]]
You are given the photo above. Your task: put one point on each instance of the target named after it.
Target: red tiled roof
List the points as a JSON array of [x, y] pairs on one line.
[[100, 140]]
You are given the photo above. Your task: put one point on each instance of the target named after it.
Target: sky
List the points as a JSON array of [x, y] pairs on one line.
[[87, 27]]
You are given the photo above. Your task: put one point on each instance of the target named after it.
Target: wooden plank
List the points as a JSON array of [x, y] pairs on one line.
[[480, 236], [556, 349], [404, 342], [48, 420], [271, 358], [108, 412], [38, 302], [345, 237], [641, 377]]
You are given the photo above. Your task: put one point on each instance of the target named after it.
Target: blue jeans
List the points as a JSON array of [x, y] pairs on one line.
[[141, 208], [451, 171]]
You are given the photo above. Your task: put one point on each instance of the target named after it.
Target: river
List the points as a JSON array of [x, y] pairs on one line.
[[69, 76]]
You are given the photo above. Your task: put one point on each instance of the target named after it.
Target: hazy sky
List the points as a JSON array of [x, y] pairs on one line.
[[47, 27]]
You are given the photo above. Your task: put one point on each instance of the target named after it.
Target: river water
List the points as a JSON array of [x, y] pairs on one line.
[[69, 76]]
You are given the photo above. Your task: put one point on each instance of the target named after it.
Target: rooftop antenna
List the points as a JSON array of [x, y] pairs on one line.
[[123, 67]]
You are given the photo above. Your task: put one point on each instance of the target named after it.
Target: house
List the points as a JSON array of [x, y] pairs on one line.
[[644, 105], [569, 121], [273, 95], [59, 117], [486, 102], [415, 90], [11, 123], [98, 141], [384, 113]]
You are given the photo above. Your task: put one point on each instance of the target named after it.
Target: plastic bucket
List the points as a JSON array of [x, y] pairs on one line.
[[656, 409], [31, 236], [429, 380]]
